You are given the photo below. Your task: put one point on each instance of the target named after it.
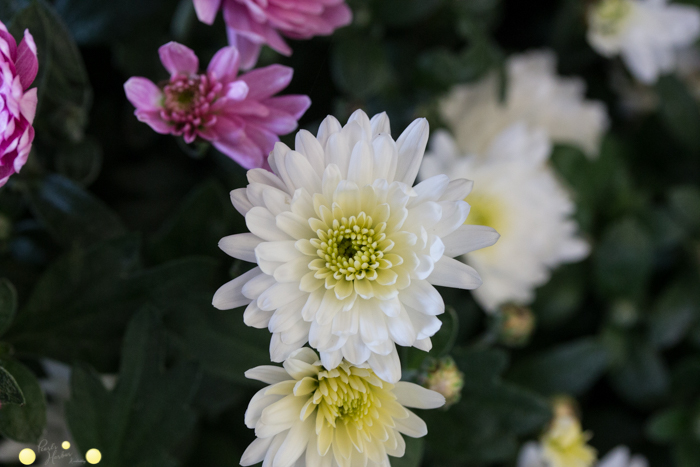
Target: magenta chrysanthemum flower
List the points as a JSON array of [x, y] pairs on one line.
[[237, 114], [18, 68], [252, 23]]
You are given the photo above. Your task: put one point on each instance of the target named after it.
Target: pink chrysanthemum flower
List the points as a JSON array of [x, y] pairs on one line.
[[18, 68], [252, 23], [237, 114]]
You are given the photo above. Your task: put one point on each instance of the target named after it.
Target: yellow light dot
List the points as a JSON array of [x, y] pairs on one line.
[[27, 456], [93, 456], [65, 445]]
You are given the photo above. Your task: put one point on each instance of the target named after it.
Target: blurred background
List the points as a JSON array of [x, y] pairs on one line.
[[110, 222]]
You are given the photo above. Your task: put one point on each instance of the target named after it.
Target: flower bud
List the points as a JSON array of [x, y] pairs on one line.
[[444, 377], [517, 324]]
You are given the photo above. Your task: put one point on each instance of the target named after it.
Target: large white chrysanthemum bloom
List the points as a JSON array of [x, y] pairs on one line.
[[534, 95], [646, 33], [347, 251], [517, 193], [347, 416]]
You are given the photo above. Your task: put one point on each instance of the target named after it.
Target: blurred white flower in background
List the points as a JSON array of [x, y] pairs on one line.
[[534, 94], [646, 33], [348, 251], [312, 417], [531, 456], [517, 193], [564, 444]]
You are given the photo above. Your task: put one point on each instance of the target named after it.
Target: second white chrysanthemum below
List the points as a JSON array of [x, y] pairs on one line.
[[313, 417], [347, 251]]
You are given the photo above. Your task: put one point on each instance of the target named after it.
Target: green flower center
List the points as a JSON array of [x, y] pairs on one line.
[[609, 16], [350, 247]]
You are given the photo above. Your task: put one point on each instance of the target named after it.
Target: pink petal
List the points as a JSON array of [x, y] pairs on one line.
[[153, 119], [177, 58], [27, 105], [277, 122], [237, 17], [264, 139], [224, 65], [244, 151], [338, 16], [27, 63], [8, 45], [143, 94], [249, 51], [238, 90], [25, 145], [265, 82], [295, 105], [206, 10]]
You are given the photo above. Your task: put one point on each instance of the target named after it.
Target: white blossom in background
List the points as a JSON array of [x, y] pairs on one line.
[[347, 251], [531, 456], [647, 34], [536, 95], [312, 417], [517, 193], [564, 444]]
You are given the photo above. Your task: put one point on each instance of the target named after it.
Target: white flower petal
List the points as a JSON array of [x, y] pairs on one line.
[[230, 295], [411, 147], [267, 374], [412, 395], [412, 426], [468, 238], [241, 246], [449, 272]]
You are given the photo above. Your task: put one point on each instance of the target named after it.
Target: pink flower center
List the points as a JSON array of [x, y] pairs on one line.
[[190, 104]]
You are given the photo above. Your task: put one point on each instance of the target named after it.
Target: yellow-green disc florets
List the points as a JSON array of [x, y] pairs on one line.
[[350, 247]]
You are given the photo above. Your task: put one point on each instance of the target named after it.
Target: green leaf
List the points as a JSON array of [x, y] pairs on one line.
[[667, 425], [23, 423], [202, 220], [64, 95], [10, 392], [80, 306], [560, 298], [685, 205], [484, 426], [80, 162], [643, 378], [623, 260], [141, 421], [360, 66], [679, 112], [8, 304], [674, 312], [570, 368], [72, 215]]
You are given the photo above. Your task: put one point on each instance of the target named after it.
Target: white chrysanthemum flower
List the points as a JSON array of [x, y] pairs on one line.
[[347, 416], [534, 95], [347, 251], [646, 33], [518, 194]]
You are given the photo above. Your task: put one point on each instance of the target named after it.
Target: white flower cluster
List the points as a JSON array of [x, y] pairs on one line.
[[348, 253]]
